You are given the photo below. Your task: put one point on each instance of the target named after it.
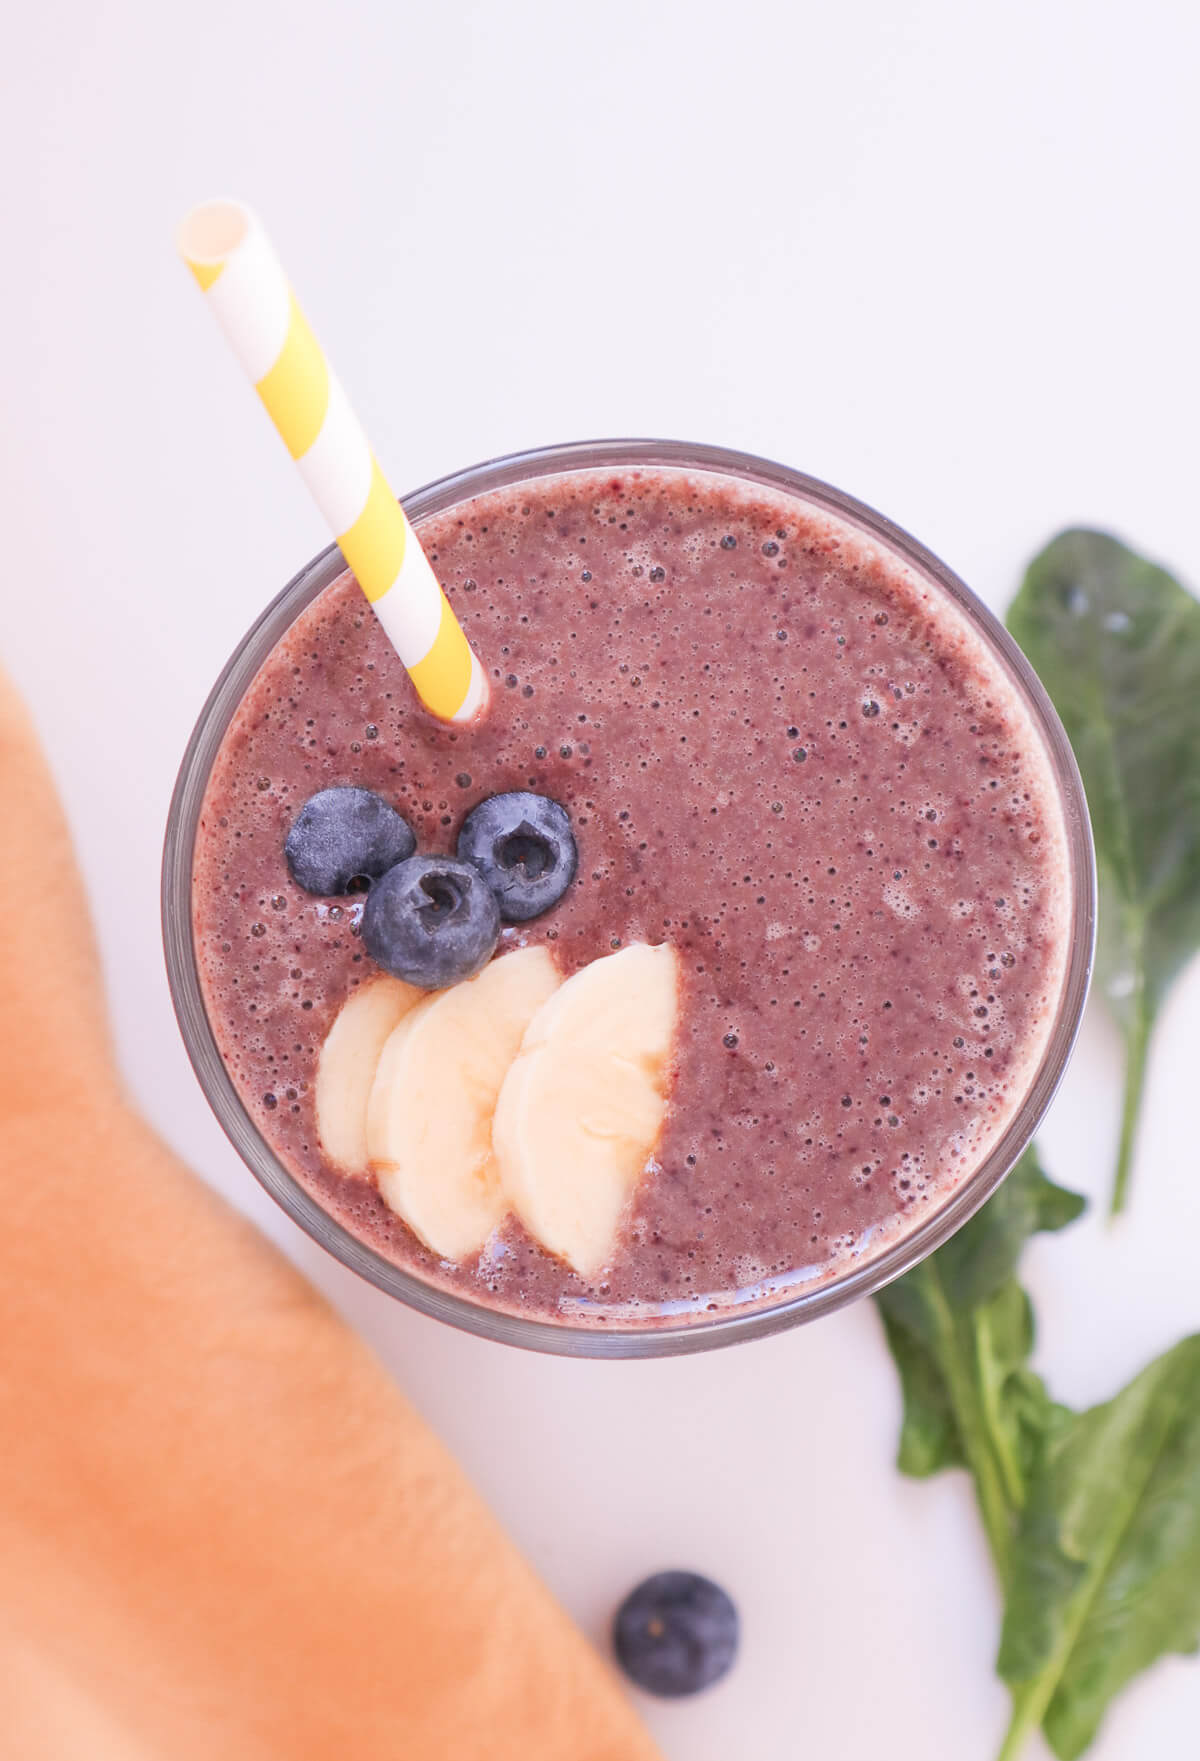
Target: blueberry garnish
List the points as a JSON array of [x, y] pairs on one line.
[[431, 921], [523, 847], [676, 1633], [345, 835]]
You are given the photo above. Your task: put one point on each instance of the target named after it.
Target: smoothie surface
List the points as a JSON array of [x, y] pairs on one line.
[[782, 751]]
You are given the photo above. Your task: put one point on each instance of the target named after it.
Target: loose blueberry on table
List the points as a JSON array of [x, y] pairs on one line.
[[676, 1633]]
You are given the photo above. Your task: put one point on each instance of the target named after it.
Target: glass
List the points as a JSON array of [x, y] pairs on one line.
[[671, 1336]]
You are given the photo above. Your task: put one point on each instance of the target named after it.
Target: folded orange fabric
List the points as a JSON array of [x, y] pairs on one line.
[[222, 1532]]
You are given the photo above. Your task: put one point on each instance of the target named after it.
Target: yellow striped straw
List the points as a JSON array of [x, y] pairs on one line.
[[244, 285]]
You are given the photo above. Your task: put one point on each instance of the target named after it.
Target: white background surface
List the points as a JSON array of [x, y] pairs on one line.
[[942, 255]]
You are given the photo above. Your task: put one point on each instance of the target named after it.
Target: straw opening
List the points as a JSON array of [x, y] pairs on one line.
[[212, 231]]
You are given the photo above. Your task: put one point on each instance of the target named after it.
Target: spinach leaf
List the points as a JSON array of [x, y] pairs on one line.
[[1116, 642], [1105, 1567], [960, 1329], [1093, 1518]]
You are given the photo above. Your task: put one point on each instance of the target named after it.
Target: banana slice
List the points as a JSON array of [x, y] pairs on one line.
[[582, 1106], [346, 1067], [429, 1117]]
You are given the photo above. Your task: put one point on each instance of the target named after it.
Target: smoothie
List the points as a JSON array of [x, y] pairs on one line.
[[786, 756]]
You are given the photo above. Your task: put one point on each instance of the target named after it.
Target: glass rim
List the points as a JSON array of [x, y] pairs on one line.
[[679, 1335]]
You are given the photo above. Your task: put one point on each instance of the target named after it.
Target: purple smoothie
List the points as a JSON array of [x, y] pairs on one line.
[[782, 751]]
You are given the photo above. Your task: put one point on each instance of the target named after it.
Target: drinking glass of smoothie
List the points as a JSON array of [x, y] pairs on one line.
[[710, 980]]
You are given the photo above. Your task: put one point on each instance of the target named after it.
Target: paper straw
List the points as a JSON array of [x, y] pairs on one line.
[[245, 287]]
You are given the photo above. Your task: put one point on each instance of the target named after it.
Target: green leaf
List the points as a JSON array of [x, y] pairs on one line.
[[960, 1329], [1105, 1574], [1018, 1410], [983, 1255], [929, 1435], [1116, 642]]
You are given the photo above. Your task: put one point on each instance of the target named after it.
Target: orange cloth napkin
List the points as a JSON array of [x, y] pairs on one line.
[[223, 1535]]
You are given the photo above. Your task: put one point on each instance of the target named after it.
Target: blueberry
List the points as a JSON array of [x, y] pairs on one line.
[[522, 845], [676, 1633], [344, 835], [431, 921]]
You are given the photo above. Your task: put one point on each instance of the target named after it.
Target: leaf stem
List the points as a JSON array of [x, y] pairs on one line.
[[993, 1507], [1024, 1722], [1006, 1462], [990, 1492], [1137, 1042]]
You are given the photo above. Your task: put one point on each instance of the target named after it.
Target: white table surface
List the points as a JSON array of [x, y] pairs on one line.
[[939, 254]]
